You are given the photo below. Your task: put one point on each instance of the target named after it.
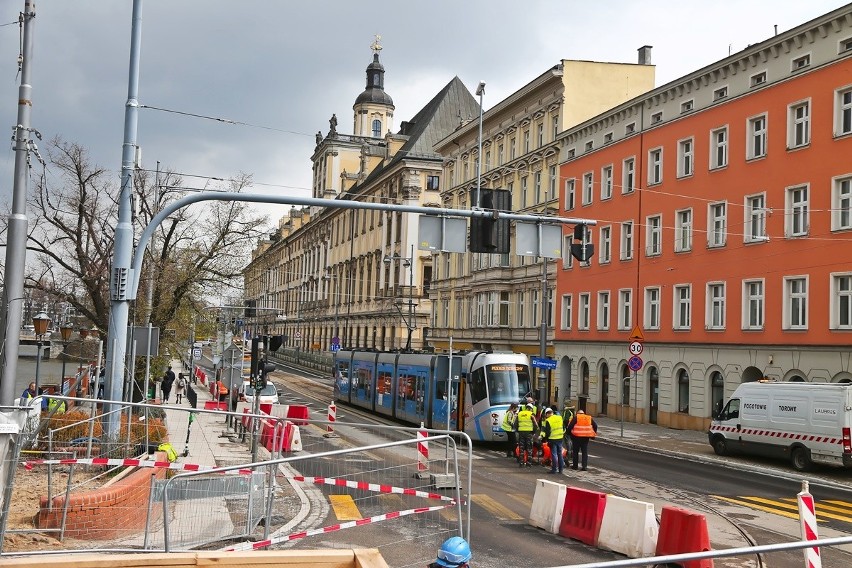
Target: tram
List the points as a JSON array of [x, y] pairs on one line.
[[412, 387]]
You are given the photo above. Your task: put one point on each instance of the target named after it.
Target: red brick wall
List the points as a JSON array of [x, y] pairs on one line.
[[109, 512]]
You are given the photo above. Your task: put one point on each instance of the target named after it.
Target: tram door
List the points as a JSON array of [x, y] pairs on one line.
[[446, 394]]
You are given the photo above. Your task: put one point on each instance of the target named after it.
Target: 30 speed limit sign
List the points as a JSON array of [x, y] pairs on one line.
[[635, 348]]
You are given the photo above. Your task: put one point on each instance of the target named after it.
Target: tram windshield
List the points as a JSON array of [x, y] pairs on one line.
[[507, 382]]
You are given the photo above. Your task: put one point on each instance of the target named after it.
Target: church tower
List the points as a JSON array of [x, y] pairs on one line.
[[373, 109]]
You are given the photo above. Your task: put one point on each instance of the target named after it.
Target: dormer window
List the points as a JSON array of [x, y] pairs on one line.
[[758, 79]]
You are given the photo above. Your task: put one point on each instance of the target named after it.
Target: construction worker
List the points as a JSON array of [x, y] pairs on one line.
[[508, 426], [567, 417], [554, 431], [454, 553], [526, 425], [582, 428]]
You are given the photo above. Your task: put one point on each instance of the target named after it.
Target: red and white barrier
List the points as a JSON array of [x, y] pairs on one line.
[[422, 449], [807, 519], [546, 510], [332, 418], [629, 527]]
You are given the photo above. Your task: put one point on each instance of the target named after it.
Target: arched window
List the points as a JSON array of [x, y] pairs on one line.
[[625, 385], [377, 128], [584, 373], [797, 379], [683, 391], [717, 391]]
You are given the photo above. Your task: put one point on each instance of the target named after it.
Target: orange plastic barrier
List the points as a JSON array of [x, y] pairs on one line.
[[683, 531], [582, 515], [213, 405], [299, 413]]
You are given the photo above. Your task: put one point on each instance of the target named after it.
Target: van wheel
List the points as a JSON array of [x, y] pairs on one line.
[[720, 446], [801, 459]]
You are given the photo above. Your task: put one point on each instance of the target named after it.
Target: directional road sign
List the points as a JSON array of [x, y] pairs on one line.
[[196, 353], [635, 363], [543, 363], [635, 348]]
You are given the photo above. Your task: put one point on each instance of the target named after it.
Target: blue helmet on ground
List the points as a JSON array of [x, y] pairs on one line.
[[454, 552]]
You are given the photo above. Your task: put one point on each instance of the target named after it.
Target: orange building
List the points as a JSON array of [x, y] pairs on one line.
[[724, 236]]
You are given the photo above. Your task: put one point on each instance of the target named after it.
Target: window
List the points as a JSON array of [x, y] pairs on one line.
[[608, 138], [799, 125], [654, 235], [583, 315], [755, 211], [682, 307], [572, 152], [720, 93], [605, 245], [626, 251], [555, 126], [551, 190], [801, 62], [570, 195], [683, 391], [537, 197], [687, 106], [719, 148], [487, 160], [527, 141], [588, 183], [685, 159], [657, 117], [797, 211], [377, 128], [845, 45], [630, 128], [683, 230], [504, 309], [540, 134], [606, 182], [841, 301], [716, 222], [715, 305], [843, 112], [753, 304], [500, 153], [756, 143], [841, 216], [625, 309], [433, 183], [652, 308], [567, 258], [524, 191], [603, 310], [757, 79], [512, 152], [628, 175], [590, 145], [655, 166], [795, 302], [566, 311], [521, 319]]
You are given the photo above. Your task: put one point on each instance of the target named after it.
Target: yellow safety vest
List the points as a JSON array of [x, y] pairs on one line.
[[557, 428], [583, 427], [508, 421], [171, 453], [525, 421]]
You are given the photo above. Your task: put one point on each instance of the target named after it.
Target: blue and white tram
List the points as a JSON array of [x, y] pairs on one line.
[[412, 387]]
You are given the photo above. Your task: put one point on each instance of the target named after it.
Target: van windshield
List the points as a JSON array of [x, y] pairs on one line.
[[268, 390]]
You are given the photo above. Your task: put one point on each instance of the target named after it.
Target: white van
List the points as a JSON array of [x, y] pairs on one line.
[[804, 422]]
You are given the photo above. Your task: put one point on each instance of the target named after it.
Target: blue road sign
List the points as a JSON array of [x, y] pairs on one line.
[[335, 347], [543, 363], [635, 363], [335, 340]]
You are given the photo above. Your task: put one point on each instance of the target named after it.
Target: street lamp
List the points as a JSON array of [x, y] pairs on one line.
[[480, 90], [335, 340], [407, 262], [65, 330], [84, 333], [40, 323]]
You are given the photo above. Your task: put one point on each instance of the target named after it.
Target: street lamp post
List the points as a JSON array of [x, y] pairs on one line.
[[480, 90], [65, 331], [407, 262], [335, 340], [40, 323]]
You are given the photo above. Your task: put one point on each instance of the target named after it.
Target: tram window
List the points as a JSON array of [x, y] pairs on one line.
[[477, 386], [441, 390], [384, 384]]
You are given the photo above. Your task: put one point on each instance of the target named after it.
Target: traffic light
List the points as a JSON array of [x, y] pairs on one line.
[[582, 250], [250, 308], [490, 234], [263, 369], [275, 342]]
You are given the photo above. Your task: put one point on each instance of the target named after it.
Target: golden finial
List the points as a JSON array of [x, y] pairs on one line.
[[376, 47]]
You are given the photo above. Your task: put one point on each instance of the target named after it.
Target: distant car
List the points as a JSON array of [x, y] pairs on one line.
[[267, 396]]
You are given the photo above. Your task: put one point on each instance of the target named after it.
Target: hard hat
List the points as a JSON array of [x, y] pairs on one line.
[[549, 411], [581, 412], [454, 552], [531, 406]]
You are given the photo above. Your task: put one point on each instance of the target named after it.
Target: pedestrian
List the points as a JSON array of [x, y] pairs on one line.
[[554, 431], [582, 428], [508, 427], [168, 381], [526, 425], [30, 393], [567, 417], [454, 553], [180, 386]]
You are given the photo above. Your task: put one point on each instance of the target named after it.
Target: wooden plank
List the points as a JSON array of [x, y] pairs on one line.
[[333, 558], [369, 558]]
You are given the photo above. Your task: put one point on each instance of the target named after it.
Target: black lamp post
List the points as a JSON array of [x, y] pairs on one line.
[[84, 333], [407, 262], [65, 330], [40, 323]]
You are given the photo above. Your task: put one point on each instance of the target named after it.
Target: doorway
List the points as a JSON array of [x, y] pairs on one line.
[[654, 390]]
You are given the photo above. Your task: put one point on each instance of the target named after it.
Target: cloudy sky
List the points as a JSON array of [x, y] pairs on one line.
[[282, 68]]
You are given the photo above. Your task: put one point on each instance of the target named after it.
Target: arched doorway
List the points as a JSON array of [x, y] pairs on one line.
[[584, 389], [717, 391], [654, 391], [751, 374], [604, 374], [683, 391]]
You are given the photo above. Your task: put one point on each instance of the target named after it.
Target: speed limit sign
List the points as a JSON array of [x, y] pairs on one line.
[[635, 348]]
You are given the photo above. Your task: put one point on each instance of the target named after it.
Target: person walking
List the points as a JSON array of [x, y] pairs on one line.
[[582, 428], [180, 386], [508, 427], [168, 381], [554, 431], [567, 416], [526, 425]]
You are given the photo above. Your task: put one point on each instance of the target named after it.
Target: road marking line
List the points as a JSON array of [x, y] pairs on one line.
[[823, 510], [751, 505], [522, 498], [499, 510], [344, 508]]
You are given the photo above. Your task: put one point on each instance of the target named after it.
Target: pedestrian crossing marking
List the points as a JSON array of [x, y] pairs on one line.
[[788, 507], [499, 510], [522, 498], [392, 502], [344, 507], [758, 507], [825, 511]]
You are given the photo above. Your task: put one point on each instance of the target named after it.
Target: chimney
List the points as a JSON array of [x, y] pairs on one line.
[[645, 54]]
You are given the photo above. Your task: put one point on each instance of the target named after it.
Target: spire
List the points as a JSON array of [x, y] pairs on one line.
[[374, 91]]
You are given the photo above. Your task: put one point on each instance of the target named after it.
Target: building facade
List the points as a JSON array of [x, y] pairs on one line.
[[724, 209], [497, 301]]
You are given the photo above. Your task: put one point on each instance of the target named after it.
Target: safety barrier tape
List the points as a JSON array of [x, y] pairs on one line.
[[333, 528], [374, 487], [777, 434]]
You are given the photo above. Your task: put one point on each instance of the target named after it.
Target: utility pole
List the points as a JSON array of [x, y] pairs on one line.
[[121, 274], [16, 235]]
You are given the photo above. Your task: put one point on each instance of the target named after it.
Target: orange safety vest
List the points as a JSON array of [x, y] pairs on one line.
[[222, 388], [583, 427]]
